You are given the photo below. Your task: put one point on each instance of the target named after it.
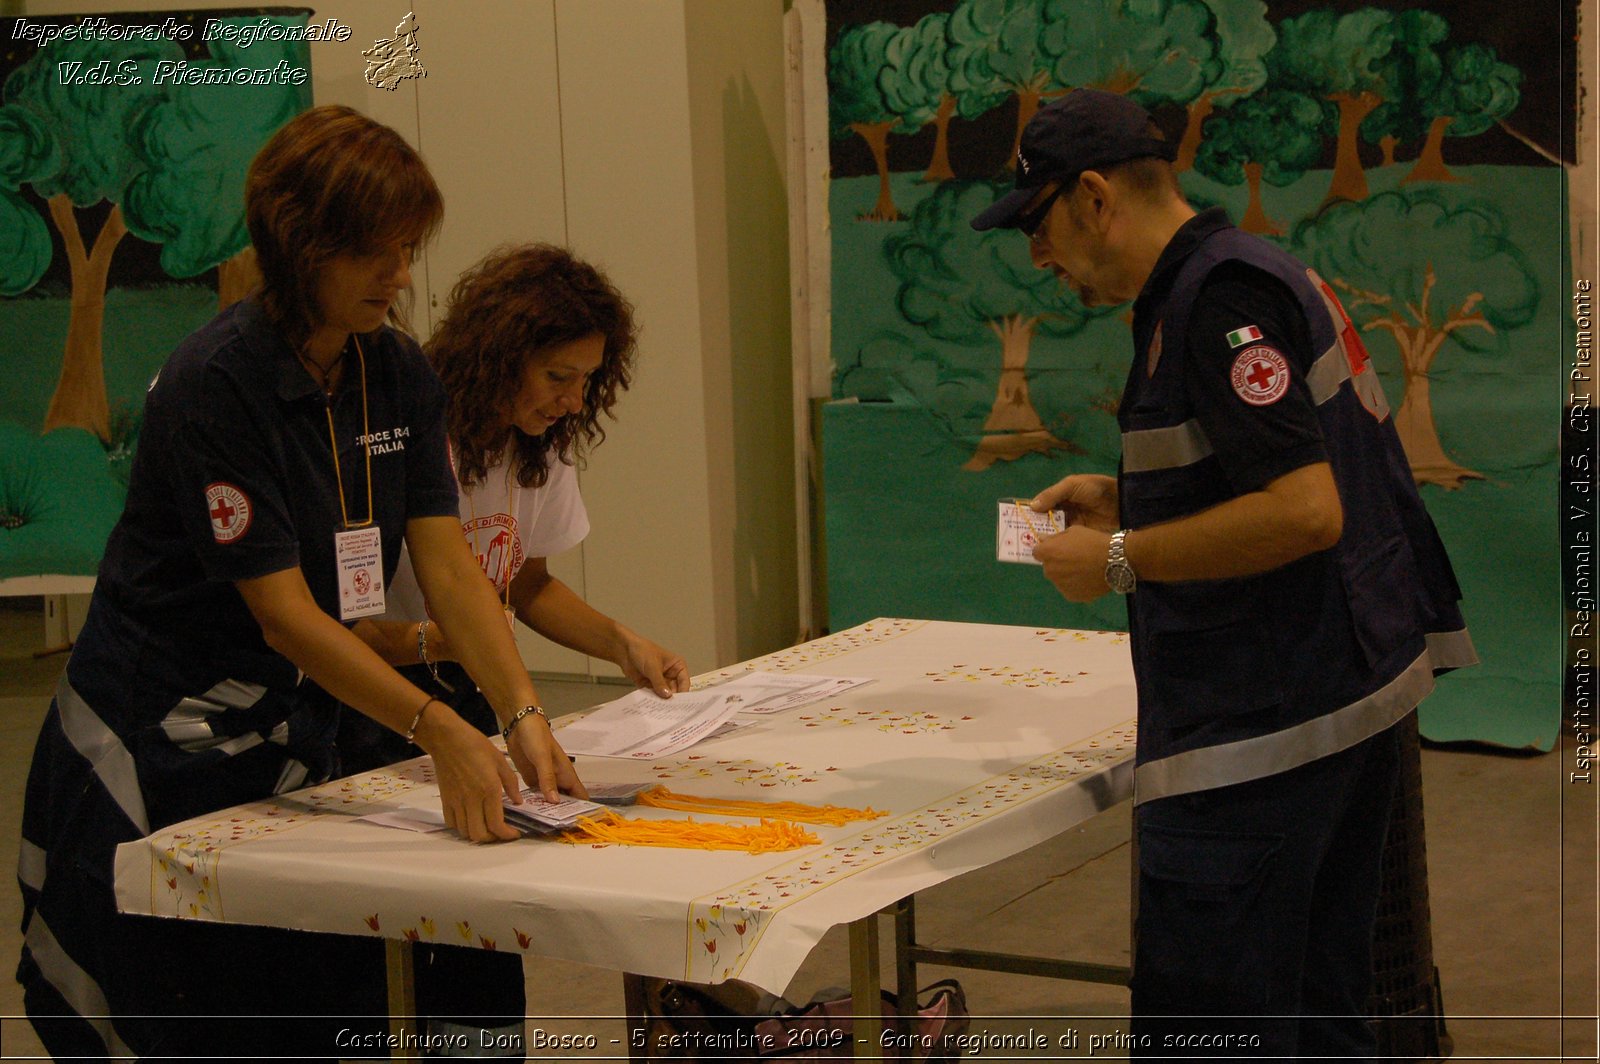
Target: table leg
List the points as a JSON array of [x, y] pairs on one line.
[[865, 987], [398, 958]]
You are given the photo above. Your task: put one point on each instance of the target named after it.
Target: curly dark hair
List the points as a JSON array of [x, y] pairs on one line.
[[331, 182], [513, 306]]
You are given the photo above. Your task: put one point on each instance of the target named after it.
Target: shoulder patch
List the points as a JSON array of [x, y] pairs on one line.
[[229, 508], [1260, 375]]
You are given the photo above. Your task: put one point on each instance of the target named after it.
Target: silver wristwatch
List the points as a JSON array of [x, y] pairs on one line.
[[1119, 574]]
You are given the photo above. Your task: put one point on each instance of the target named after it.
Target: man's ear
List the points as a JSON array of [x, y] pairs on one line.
[[1098, 197]]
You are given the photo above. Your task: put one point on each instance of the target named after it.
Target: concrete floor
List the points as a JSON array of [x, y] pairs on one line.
[[1511, 858]]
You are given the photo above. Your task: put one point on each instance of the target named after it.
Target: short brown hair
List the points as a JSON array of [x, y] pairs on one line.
[[331, 182], [510, 308]]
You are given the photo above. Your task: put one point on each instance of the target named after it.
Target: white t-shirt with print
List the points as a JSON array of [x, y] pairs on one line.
[[505, 524]]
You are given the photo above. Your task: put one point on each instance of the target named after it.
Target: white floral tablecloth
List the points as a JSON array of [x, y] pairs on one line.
[[978, 741]]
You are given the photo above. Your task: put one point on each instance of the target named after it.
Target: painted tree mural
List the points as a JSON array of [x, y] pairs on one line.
[[169, 159], [857, 105], [195, 150], [1272, 136], [1475, 90], [1238, 68], [1153, 51], [1433, 90], [1337, 58], [995, 53], [1425, 268], [91, 164], [970, 287], [915, 82]]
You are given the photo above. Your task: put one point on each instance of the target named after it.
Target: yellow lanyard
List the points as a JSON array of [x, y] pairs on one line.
[[366, 445]]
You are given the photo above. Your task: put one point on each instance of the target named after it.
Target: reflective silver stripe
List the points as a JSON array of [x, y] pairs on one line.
[[1265, 755], [292, 777], [31, 864], [189, 723], [1147, 450], [234, 694], [1327, 373], [74, 985], [100, 746], [1451, 650], [280, 734]]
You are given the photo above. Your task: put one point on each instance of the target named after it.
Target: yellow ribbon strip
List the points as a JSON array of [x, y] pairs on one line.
[[771, 836], [831, 815]]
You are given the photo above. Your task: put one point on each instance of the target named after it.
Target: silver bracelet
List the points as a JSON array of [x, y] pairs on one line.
[[411, 732], [422, 656], [525, 711]]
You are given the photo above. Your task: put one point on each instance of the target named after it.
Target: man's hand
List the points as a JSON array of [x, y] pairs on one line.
[[1087, 499], [1075, 561]]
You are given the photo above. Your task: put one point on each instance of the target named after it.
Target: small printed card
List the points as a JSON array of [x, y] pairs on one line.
[[1020, 528]]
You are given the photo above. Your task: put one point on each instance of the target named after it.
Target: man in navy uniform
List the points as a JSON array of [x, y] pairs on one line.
[[1289, 600]]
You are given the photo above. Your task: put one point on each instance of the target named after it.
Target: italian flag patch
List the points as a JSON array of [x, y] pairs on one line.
[[1240, 337]]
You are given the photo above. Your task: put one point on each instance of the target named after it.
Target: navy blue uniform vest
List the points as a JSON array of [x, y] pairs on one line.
[[1242, 678]]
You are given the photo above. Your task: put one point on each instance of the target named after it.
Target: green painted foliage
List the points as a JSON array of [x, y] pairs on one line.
[[1159, 49], [1280, 130], [90, 121], [195, 150], [854, 64], [1476, 90], [1388, 244], [955, 281], [1410, 74], [916, 71], [1322, 53], [994, 51], [1244, 37]]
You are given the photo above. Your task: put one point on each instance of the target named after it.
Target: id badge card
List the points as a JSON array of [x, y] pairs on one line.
[[358, 558], [1019, 529]]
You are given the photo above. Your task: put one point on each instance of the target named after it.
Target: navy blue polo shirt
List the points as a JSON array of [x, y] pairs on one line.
[[234, 478]]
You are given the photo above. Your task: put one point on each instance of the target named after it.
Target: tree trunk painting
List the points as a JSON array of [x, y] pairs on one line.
[[876, 134], [80, 396], [1387, 144], [1419, 341], [1349, 177], [939, 166], [1199, 110], [236, 278], [1255, 218], [1013, 427], [1430, 162]]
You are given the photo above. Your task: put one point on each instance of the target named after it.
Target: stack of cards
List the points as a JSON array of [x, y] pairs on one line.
[[545, 818], [1020, 529]]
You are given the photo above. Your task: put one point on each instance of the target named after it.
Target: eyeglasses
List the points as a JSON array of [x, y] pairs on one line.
[[1032, 221]]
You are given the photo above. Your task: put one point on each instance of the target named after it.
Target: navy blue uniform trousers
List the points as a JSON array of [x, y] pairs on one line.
[[1253, 938]]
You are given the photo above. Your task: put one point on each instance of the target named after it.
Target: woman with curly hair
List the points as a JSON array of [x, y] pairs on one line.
[[535, 346]]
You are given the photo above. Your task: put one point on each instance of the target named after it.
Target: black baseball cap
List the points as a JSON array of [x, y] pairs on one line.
[[1084, 130]]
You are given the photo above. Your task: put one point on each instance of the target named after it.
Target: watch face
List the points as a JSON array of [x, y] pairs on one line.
[[1119, 577]]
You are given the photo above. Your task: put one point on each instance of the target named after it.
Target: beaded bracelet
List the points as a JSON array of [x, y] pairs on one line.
[[525, 711], [411, 732]]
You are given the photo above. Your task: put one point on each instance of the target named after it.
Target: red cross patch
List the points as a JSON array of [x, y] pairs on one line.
[[1260, 375], [230, 511]]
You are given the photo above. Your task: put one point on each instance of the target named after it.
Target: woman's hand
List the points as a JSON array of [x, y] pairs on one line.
[[543, 764], [473, 776], [647, 665]]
